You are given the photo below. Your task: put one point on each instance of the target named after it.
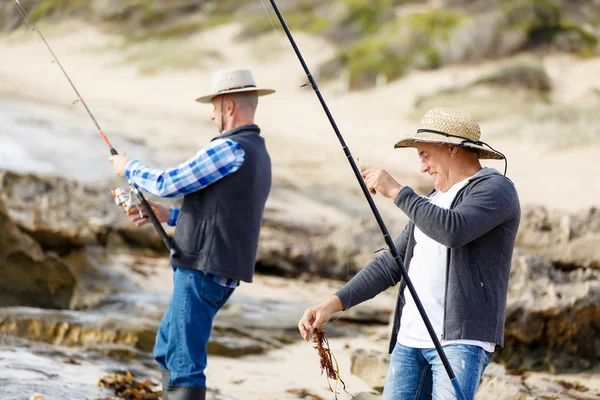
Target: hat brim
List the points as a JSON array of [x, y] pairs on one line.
[[260, 92], [483, 152]]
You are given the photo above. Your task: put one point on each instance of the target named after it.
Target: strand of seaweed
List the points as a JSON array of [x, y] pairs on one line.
[[329, 363]]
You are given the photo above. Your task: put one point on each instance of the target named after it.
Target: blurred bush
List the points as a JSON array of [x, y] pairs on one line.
[[378, 40]]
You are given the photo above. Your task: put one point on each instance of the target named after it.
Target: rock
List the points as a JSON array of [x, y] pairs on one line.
[[122, 325], [497, 384], [552, 318], [30, 368], [23, 372], [371, 367], [285, 249], [31, 276], [73, 328], [348, 248], [248, 325], [569, 240], [63, 215], [379, 310]]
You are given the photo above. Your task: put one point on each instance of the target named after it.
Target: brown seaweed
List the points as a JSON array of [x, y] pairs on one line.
[[126, 387], [328, 361]]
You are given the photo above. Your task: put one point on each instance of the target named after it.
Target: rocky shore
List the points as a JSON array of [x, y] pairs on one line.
[[84, 290]]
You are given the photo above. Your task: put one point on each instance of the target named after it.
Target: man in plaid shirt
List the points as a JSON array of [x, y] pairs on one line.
[[225, 187]]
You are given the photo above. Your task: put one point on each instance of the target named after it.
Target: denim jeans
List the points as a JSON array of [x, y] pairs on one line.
[[185, 328], [418, 374]]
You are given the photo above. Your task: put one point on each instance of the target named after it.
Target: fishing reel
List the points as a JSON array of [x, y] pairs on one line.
[[125, 199]]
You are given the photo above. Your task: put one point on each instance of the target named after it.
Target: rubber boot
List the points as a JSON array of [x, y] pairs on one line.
[[187, 392], [166, 377]]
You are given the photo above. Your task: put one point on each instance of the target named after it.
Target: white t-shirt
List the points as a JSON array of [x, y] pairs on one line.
[[428, 275]]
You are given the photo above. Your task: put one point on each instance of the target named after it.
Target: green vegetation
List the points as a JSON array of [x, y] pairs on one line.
[[399, 45], [309, 22], [376, 38], [521, 74], [154, 57], [47, 8], [547, 23]]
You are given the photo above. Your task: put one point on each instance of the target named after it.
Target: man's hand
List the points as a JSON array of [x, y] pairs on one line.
[[163, 213], [119, 162], [379, 180], [316, 316]]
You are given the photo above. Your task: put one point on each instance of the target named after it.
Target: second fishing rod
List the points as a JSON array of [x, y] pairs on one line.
[[388, 239], [142, 199]]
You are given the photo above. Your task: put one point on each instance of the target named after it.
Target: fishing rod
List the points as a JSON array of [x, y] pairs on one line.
[[388, 239], [120, 197]]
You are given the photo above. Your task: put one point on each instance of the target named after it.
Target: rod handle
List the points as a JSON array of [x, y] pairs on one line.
[[157, 225], [155, 222]]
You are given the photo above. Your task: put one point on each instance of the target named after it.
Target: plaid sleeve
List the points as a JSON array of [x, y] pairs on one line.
[[174, 215], [218, 159]]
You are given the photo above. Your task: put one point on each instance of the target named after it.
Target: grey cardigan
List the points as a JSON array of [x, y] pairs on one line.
[[479, 230]]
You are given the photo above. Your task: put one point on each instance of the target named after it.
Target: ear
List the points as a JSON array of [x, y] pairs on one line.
[[231, 106], [453, 150]]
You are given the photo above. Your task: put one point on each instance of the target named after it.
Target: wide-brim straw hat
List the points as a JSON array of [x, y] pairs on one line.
[[450, 126], [233, 81]]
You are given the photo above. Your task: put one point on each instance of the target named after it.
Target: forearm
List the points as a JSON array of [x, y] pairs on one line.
[[150, 180], [477, 214], [213, 162], [377, 276]]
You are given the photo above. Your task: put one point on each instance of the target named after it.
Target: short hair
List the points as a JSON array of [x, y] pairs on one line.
[[469, 150], [245, 100]]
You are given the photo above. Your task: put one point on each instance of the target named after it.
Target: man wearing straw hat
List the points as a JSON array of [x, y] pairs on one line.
[[457, 248], [224, 188]]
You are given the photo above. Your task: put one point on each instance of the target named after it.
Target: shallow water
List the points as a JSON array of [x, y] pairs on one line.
[[47, 139]]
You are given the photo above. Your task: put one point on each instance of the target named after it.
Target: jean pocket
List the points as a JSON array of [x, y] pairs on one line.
[[212, 292]]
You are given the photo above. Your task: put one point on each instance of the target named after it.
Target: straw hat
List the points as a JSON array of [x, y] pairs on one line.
[[449, 126], [233, 81]]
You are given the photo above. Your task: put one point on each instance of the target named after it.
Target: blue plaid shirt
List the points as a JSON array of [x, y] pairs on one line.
[[215, 161]]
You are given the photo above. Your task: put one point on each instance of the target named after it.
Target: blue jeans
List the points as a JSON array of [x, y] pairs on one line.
[[185, 328], [418, 374]]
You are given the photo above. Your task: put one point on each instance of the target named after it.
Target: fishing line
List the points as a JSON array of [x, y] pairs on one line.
[[134, 189]]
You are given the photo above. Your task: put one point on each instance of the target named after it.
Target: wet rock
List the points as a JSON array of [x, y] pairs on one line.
[[552, 318], [31, 276], [73, 328], [23, 373], [123, 325], [119, 352], [371, 366], [229, 343]]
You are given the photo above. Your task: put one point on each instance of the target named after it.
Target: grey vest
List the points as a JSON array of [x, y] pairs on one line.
[[218, 226]]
